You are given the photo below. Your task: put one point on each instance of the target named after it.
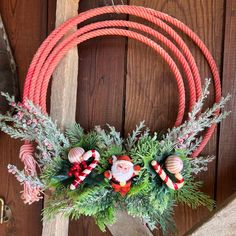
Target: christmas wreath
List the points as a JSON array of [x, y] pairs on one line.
[[95, 173]]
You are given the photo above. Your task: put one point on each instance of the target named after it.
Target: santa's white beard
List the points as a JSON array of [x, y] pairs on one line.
[[119, 176]]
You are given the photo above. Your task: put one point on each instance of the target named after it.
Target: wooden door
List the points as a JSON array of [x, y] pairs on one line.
[[132, 84]]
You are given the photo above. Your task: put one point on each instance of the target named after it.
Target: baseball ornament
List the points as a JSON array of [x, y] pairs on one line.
[[121, 173], [174, 164], [80, 170], [175, 186]]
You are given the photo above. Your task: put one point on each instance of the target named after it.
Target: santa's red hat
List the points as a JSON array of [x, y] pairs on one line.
[[123, 158], [120, 158]]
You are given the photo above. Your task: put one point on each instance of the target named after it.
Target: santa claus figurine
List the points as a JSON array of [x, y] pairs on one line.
[[121, 173]]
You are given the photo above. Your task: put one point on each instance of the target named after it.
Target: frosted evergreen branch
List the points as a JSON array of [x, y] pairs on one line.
[[74, 133], [103, 136], [194, 144], [10, 99], [15, 133], [199, 104], [115, 135], [22, 178], [132, 138], [49, 126], [199, 164], [110, 137], [185, 135], [165, 146], [32, 186], [29, 123]]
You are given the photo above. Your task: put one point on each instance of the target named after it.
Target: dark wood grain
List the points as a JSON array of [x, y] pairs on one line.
[[8, 82], [151, 89], [26, 220], [25, 23], [101, 73], [226, 173]]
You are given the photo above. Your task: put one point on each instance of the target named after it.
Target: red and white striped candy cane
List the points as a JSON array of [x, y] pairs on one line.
[[175, 186], [88, 170]]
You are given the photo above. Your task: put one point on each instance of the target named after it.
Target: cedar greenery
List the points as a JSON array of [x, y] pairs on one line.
[[149, 198]]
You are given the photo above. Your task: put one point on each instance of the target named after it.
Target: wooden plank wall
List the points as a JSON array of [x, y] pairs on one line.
[[226, 173], [122, 82], [26, 25]]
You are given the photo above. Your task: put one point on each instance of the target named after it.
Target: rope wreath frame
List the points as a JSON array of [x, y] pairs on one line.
[[43, 63], [162, 169]]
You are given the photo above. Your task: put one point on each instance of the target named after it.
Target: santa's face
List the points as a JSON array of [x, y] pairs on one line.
[[122, 170]]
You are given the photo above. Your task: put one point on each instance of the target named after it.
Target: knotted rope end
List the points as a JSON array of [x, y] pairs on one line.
[[26, 156]]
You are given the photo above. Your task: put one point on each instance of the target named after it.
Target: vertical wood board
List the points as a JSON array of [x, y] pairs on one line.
[[226, 173], [63, 102], [8, 82], [25, 24]]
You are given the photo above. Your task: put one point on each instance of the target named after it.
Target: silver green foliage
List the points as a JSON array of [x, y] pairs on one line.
[[31, 124], [74, 133], [21, 177], [186, 136], [199, 164], [109, 137]]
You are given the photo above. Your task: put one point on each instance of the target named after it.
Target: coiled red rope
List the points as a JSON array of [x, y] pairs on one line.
[[54, 48]]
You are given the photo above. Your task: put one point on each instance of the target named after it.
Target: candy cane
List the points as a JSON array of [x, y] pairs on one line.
[[166, 179], [88, 170]]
